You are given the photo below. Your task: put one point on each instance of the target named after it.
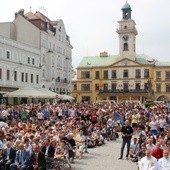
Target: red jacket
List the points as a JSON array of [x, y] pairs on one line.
[[157, 153]]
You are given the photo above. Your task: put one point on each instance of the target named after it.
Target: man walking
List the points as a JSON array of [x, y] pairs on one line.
[[127, 132]]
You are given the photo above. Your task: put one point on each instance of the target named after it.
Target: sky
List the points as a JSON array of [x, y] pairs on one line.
[[91, 24]]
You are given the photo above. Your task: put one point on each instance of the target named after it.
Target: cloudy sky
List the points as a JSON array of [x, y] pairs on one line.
[[91, 24]]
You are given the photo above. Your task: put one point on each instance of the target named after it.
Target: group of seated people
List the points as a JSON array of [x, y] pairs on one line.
[[152, 147]]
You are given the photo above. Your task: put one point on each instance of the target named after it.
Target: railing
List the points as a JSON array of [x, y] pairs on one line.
[[122, 91]]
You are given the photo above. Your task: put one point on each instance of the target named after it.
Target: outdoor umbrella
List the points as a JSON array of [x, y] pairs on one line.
[[3, 124], [66, 97], [51, 94], [28, 92]]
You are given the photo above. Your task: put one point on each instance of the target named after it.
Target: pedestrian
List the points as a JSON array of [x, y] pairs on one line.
[[127, 132]]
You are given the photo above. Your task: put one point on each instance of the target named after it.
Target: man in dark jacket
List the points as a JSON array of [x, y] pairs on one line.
[[49, 151], [127, 133], [8, 156], [37, 160]]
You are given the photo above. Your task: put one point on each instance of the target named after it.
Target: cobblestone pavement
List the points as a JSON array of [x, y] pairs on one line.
[[104, 158]]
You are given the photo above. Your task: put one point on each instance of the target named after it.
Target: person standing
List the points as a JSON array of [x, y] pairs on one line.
[[127, 132], [164, 162], [148, 162]]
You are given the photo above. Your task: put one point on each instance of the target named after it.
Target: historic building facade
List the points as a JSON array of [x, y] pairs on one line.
[[36, 52], [126, 76]]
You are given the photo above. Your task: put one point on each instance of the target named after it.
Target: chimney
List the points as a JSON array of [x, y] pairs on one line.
[[20, 12], [103, 54]]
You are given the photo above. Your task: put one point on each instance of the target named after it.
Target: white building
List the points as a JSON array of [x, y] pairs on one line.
[[36, 52]]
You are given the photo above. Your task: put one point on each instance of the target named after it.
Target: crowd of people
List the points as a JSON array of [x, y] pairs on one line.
[[149, 129], [38, 136]]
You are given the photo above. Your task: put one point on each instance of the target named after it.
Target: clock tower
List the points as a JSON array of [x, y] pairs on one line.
[[127, 34]]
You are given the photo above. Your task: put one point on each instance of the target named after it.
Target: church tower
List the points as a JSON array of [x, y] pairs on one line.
[[127, 34]]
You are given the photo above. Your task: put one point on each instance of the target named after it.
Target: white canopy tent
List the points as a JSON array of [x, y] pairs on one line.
[[51, 94], [28, 92]]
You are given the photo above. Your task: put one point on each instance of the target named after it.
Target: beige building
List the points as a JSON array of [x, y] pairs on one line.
[[127, 76]]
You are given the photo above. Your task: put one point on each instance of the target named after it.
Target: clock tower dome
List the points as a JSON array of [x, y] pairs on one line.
[[127, 34]]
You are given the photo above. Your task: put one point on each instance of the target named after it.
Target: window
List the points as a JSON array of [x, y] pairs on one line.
[[146, 73], [125, 86], [85, 74], [15, 75], [0, 73], [37, 79], [113, 74], [32, 78], [28, 60], [105, 74], [113, 86], [96, 86], [33, 61], [137, 86], [167, 87], [8, 74], [158, 75], [158, 88], [125, 73], [86, 99], [97, 75], [75, 86], [85, 87], [138, 73], [8, 55], [22, 77], [0, 53], [43, 73], [26, 77], [105, 86], [125, 47], [167, 75]]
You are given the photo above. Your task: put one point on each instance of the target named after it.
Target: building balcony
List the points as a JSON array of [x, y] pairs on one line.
[[123, 91]]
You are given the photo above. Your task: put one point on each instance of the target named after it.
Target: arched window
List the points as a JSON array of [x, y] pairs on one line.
[[125, 47], [43, 86], [125, 27]]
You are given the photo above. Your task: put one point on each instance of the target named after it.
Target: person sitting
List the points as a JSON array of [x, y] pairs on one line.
[[37, 160], [8, 156], [48, 150], [80, 143], [21, 160], [72, 146], [134, 149], [62, 153], [157, 152]]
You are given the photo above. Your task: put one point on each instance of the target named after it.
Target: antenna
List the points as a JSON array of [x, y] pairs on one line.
[[30, 8]]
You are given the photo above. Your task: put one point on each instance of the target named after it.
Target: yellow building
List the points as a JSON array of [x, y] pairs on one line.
[[122, 77]]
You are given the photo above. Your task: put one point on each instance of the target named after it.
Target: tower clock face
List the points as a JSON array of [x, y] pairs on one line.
[[125, 37]]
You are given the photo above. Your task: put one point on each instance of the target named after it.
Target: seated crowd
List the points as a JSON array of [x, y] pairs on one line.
[[43, 136], [40, 136]]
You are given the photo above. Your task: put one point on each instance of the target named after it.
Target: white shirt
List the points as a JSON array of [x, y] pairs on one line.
[[148, 163], [164, 164], [47, 148]]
